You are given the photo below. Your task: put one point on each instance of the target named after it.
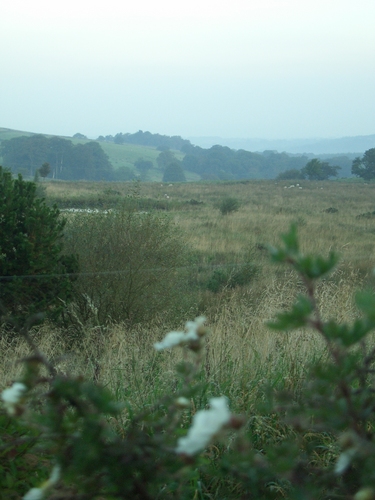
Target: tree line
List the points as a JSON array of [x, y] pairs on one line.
[[67, 161], [158, 141], [318, 170]]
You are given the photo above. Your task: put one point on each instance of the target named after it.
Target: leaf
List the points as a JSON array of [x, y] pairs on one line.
[[296, 318]]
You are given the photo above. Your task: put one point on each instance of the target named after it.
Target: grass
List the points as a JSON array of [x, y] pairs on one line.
[[241, 352]]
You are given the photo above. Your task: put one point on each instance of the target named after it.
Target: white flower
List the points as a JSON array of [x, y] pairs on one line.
[[206, 424], [182, 402], [34, 494], [12, 396], [344, 460], [39, 493], [173, 339]]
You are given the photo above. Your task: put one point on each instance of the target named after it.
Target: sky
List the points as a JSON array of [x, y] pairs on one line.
[[235, 68]]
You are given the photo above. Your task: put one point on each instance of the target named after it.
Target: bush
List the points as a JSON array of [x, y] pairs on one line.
[[129, 264], [32, 265], [231, 277], [228, 205]]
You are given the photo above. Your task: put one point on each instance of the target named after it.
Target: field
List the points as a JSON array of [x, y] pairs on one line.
[[222, 270], [242, 351]]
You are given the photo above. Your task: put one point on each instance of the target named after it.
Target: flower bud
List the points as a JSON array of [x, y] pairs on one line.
[[182, 403]]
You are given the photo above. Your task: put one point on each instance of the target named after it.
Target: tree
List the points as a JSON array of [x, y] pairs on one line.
[[292, 174], [174, 173], [316, 170], [365, 167], [165, 158], [32, 266], [45, 169], [143, 166]]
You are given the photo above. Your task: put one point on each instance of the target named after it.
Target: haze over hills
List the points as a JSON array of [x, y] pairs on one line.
[[342, 145]]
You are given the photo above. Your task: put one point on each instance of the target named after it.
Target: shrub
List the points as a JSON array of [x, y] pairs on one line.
[[228, 205], [231, 277], [129, 264], [32, 265]]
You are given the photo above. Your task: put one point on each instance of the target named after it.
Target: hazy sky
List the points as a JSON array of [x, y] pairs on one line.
[[233, 68]]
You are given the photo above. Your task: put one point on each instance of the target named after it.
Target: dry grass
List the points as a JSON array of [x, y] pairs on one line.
[[242, 352]]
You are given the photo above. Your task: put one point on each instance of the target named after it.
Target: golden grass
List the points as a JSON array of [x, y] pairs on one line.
[[242, 352]]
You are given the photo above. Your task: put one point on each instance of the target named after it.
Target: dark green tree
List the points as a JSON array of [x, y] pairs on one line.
[[143, 166], [365, 167], [292, 174], [45, 169], [165, 158], [317, 170], [32, 265], [174, 173]]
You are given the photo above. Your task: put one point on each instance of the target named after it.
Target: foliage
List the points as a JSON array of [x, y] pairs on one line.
[[148, 139], [128, 261], [231, 277], [44, 170], [292, 174], [317, 170], [314, 444], [32, 266], [68, 161], [365, 167], [165, 158], [143, 166], [228, 205], [223, 163], [174, 173]]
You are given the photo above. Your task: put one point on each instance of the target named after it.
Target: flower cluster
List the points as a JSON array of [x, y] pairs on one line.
[[191, 337], [206, 425], [12, 397]]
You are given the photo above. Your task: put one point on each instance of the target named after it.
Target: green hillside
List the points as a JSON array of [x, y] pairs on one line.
[[120, 155]]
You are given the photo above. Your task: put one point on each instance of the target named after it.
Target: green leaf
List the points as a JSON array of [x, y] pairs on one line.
[[291, 241], [366, 303], [316, 266], [296, 318], [346, 335]]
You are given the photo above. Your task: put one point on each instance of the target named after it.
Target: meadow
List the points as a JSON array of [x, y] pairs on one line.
[[183, 258], [242, 352]]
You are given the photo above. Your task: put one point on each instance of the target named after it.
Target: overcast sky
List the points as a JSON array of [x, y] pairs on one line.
[[233, 68]]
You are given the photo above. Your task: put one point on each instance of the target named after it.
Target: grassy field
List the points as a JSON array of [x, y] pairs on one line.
[[227, 276], [242, 352]]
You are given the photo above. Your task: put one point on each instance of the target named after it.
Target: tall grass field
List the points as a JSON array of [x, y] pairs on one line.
[[219, 268]]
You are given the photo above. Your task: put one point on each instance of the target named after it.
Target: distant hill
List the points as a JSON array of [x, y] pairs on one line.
[[343, 145], [212, 158]]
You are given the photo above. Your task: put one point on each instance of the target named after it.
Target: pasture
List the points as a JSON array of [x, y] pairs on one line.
[[242, 352]]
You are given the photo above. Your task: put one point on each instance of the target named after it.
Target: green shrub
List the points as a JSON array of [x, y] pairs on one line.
[[231, 277], [228, 205], [129, 264], [32, 265]]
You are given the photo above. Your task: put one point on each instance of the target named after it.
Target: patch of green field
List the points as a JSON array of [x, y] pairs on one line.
[[120, 155]]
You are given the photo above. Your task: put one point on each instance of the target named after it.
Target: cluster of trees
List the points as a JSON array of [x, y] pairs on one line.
[[318, 170], [158, 141], [314, 170], [223, 163], [172, 167], [67, 161], [365, 167]]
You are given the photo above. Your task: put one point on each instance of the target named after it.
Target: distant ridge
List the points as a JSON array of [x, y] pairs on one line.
[[343, 145]]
